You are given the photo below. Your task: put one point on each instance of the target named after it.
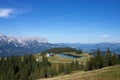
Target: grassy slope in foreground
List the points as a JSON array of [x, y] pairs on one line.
[[107, 73]]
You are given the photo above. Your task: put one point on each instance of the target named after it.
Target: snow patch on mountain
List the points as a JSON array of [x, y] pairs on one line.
[[10, 45], [21, 40]]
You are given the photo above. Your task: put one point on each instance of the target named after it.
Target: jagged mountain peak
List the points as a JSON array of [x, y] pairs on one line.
[[22, 45], [26, 39], [8, 39]]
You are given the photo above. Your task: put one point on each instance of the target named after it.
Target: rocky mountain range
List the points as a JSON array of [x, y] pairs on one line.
[[22, 45], [31, 45]]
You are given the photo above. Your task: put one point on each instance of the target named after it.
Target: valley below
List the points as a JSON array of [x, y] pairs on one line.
[[41, 60]]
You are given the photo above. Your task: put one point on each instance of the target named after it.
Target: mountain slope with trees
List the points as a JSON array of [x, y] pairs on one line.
[[100, 61], [62, 50], [28, 68], [107, 73]]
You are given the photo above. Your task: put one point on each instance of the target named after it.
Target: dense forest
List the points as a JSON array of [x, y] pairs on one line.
[[100, 61], [27, 68], [62, 50]]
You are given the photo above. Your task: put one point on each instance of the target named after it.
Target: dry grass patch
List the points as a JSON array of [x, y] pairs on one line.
[[108, 73]]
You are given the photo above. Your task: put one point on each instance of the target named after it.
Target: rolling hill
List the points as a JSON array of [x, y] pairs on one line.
[[114, 47]]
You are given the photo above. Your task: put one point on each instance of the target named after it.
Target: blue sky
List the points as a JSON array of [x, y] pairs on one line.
[[71, 21]]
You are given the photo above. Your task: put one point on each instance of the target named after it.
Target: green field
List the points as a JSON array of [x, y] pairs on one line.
[[107, 73], [57, 59]]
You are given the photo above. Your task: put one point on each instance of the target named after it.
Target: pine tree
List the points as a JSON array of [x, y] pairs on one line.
[[61, 68], [67, 69], [114, 59], [109, 57], [119, 59], [77, 67], [99, 59]]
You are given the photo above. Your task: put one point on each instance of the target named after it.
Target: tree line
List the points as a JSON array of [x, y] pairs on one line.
[[27, 68], [61, 50], [100, 61]]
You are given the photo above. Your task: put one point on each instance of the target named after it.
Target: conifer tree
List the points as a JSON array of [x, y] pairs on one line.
[[109, 57]]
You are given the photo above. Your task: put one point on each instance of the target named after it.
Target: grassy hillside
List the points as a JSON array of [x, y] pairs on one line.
[[107, 73]]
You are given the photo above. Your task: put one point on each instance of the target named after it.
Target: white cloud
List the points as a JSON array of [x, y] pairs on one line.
[[4, 13], [105, 36]]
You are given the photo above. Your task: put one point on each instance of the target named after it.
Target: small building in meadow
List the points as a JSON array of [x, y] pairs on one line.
[[49, 54], [37, 60]]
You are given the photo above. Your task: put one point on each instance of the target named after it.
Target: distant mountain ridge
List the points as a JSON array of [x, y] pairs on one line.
[[22, 45], [30, 45], [114, 47]]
